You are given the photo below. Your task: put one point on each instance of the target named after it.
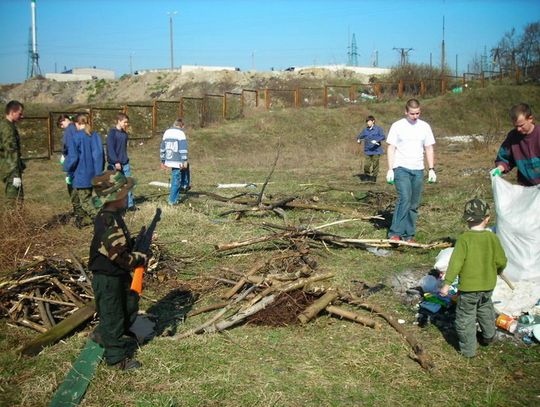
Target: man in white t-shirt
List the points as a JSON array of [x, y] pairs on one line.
[[407, 140]]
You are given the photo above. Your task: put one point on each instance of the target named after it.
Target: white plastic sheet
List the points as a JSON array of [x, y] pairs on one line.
[[518, 228]]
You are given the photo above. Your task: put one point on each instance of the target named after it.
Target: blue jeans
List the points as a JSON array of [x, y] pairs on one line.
[[126, 170], [409, 186], [180, 179]]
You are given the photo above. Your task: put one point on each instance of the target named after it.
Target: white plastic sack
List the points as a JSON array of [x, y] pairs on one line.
[[518, 229], [442, 259]]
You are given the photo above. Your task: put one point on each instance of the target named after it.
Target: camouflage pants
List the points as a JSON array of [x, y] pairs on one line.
[[117, 308], [471, 307], [81, 199], [12, 195], [371, 165]]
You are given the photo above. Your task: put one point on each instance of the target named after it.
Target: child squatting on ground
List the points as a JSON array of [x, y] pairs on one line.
[[477, 259], [111, 261]]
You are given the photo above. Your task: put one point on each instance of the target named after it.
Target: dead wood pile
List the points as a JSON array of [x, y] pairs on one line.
[[288, 289], [45, 293]]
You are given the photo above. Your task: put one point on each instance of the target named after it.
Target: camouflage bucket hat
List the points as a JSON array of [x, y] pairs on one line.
[[476, 210], [111, 186]]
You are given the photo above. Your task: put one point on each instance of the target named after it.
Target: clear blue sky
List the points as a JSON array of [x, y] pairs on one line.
[[250, 34]]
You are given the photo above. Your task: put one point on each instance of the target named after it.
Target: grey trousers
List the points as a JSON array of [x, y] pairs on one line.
[[472, 307]]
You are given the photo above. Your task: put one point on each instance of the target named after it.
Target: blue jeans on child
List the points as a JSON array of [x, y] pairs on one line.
[[180, 180], [409, 186]]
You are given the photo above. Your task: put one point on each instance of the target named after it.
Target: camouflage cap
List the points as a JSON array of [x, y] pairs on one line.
[[476, 210], [111, 186]]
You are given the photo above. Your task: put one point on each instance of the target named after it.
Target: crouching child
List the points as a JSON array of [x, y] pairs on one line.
[[477, 259], [111, 261]]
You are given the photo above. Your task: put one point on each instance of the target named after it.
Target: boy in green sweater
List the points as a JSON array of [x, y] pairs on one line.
[[477, 259]]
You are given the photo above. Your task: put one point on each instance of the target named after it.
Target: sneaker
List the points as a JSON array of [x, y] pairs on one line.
[[485, 341], [411, 240], [127, 364], [395, 238], [133, 209]]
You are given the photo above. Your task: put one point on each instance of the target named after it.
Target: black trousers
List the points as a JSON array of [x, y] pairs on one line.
[[117, 308]]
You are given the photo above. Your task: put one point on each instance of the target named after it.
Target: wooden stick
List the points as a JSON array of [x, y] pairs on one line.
[[29, 324], [51, 301], [68, 292], [353, 316], [313, 310], [507, 281], [207, 308], [43, 312], [240, 316]]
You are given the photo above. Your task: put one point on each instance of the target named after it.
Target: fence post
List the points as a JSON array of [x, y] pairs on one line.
[[463, 81], [482, 80], [377, 90], [518, 75], [50, 134], [352, 93], [422, 88], [443, 85], [154, 117], [400, 88], [325, 96], [267, 98], [297, 97], [225, 106]]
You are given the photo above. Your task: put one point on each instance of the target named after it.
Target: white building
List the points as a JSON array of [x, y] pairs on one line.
[[81, 74]]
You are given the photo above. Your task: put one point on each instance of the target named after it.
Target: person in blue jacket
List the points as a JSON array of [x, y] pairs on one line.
[[85, 160], [64, 122], [117, 157], [173, 153], [373, 136]]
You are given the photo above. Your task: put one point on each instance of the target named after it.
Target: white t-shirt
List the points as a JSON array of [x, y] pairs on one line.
[[410, 140]]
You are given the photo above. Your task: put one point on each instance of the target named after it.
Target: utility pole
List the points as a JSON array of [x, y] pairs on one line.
[[456, 65], [171, 14], [253, 60], [131, 63], [404, 55], [443, 50]]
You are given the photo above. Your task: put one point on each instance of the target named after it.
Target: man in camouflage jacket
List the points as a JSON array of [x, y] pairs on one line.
[[11, 165], [112, 258]]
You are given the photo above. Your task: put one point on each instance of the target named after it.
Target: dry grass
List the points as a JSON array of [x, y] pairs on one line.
[[327, 362]]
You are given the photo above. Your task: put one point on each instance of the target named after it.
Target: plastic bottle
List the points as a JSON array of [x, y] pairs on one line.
[[526, 319]]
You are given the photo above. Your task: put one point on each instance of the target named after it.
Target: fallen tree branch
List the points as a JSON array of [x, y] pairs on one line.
[[353, 316], [313, 310]]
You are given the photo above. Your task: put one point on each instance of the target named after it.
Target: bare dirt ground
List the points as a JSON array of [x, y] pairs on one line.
[[166, 86]]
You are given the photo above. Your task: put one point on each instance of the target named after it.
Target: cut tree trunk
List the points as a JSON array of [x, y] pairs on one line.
[[353, 316], [313, 310]]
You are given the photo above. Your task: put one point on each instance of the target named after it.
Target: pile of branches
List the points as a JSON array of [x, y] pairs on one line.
[[45, 293], [289, 285]]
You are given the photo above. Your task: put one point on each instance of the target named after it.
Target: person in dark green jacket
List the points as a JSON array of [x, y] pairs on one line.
[[112, 258], [477, 259]]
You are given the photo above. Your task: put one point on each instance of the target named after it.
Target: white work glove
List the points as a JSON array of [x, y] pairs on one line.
[[432, 177], [69, 180], [375, 142], [390, 176], [62, 159], [17, 182]]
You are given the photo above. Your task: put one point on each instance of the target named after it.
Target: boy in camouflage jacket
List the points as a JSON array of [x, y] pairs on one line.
[[111, 260]]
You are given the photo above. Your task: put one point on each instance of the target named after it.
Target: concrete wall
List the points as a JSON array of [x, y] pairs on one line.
[[67, 77]]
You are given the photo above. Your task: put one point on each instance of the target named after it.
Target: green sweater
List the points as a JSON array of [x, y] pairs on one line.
[[477, 258]]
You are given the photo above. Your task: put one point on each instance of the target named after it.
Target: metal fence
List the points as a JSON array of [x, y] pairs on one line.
[[41, 138]]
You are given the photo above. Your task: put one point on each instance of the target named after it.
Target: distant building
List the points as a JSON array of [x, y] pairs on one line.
[[81, 74], [365, 70], [189, 68]]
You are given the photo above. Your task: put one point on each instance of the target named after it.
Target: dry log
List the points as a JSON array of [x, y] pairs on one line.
[[353, 316], [43, 312], [295, 285], [59, 330], [68, 292], [313, 310], [22, 282], [241, 315], [207, 308], [420, 354], [29, 324], [215, 318]]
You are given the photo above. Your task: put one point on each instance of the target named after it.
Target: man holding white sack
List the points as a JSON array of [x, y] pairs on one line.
[[521, 148], [518, 215]]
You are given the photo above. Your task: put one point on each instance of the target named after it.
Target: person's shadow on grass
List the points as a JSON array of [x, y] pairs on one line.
[[170, 311]]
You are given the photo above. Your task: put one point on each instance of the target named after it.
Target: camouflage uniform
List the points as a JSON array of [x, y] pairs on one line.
[[11, 164], [111, 260]]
